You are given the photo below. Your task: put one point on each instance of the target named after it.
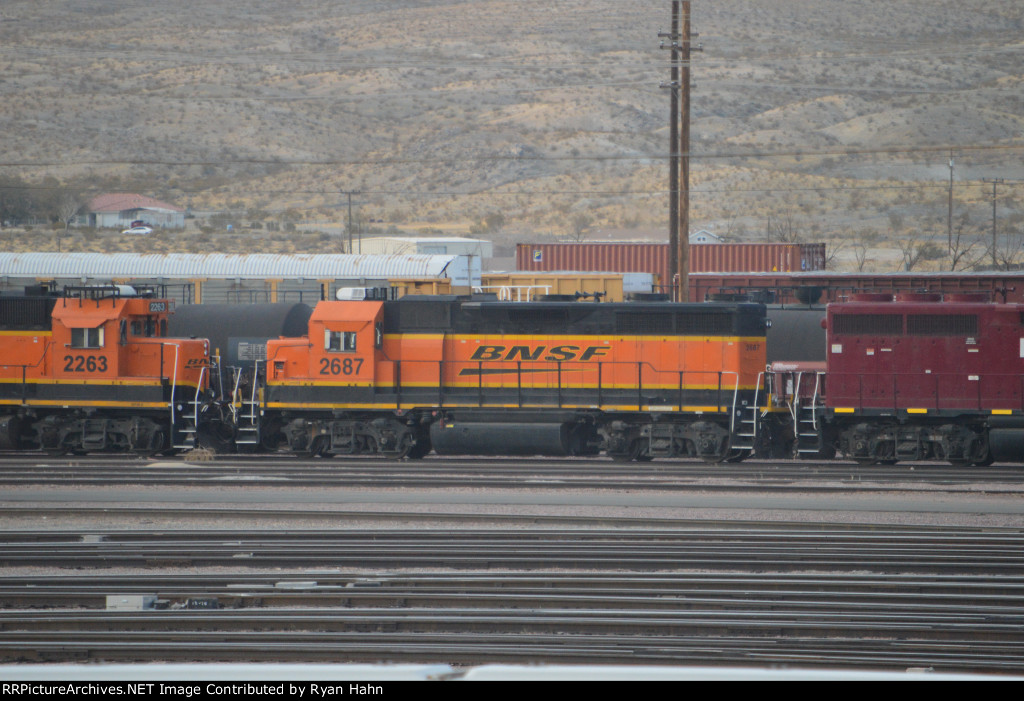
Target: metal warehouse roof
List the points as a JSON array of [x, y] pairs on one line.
[[221, 265]]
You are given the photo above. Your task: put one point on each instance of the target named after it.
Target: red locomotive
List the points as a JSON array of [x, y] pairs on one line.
[[911, 378]]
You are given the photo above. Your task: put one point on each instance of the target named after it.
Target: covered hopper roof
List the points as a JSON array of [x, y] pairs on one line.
[[221, 265]]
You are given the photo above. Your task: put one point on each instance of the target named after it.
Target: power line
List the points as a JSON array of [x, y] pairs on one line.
[[696, 155]]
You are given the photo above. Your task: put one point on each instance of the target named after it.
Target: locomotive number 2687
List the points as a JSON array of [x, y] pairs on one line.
[[336, 366]]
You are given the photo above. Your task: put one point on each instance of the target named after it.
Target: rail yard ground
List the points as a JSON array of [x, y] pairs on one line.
[[903, 567]]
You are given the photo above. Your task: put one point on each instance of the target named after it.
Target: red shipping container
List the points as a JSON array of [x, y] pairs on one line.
[[654, 257]]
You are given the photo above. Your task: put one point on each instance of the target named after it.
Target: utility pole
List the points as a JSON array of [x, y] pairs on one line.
[[679, 147], [353, 192], [995, 182], [684, 146], [949, 214], [673, 149]]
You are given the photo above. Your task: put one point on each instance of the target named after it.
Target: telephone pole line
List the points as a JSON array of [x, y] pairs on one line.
[[949, 214], [995, 182], [684, 146], [350, 193], [673, 149], [679, 42]]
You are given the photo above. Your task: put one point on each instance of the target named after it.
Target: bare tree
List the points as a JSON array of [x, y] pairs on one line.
[[579, 226], [964, 252], [1008, 255], [785, 230], [69, 205], [915, 251], [832, 253], [863, 240]]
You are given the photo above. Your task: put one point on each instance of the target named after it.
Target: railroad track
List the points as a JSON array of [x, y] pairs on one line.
[[238, 571], [22, 470], [993, 552], [700, 593]]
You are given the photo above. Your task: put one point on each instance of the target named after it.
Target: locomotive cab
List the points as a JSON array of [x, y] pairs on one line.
[[351, 336], [102, 378], [342, 348], [106, 337]]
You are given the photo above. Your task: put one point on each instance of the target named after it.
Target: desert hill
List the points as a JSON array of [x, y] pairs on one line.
[[818, 120]]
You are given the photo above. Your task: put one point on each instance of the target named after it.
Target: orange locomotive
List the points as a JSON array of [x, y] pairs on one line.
[[460, 376], [92, 371]]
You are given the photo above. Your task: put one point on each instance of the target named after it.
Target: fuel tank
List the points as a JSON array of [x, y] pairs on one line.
[[487, 438]]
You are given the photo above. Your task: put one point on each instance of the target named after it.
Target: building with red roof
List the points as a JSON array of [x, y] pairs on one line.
[[118, 210]]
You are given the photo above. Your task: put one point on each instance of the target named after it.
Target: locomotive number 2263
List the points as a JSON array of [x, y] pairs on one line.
[[82, 363]]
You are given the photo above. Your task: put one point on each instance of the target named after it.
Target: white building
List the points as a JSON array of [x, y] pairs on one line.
[[705, 236], [118, 210], [424, 246]]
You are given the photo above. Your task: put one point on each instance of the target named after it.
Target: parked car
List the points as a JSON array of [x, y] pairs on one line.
[[138, 230]]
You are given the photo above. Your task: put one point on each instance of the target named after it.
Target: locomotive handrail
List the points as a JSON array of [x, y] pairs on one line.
[[174, 376], [255, 386], [735, 397], [24, 370], [195, 406], [762, 378], [814, 399], [724, 385], [234, 396]]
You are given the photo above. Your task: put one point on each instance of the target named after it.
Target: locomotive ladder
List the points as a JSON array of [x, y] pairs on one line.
[[247, 420], [745, 419], [805, 419], [188, 430]]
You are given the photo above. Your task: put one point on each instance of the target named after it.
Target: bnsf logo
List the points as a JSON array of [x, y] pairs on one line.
[[553, 354]]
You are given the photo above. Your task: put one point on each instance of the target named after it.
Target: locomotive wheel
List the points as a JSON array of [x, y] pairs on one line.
[[980, 456], [406, 443], [635, 452], [317, 448], [157, 444], [985, 461], [720, 457]]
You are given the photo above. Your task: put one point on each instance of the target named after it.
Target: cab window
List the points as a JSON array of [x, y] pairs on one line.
[[340, 341], [87, 338], [144, 327]]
